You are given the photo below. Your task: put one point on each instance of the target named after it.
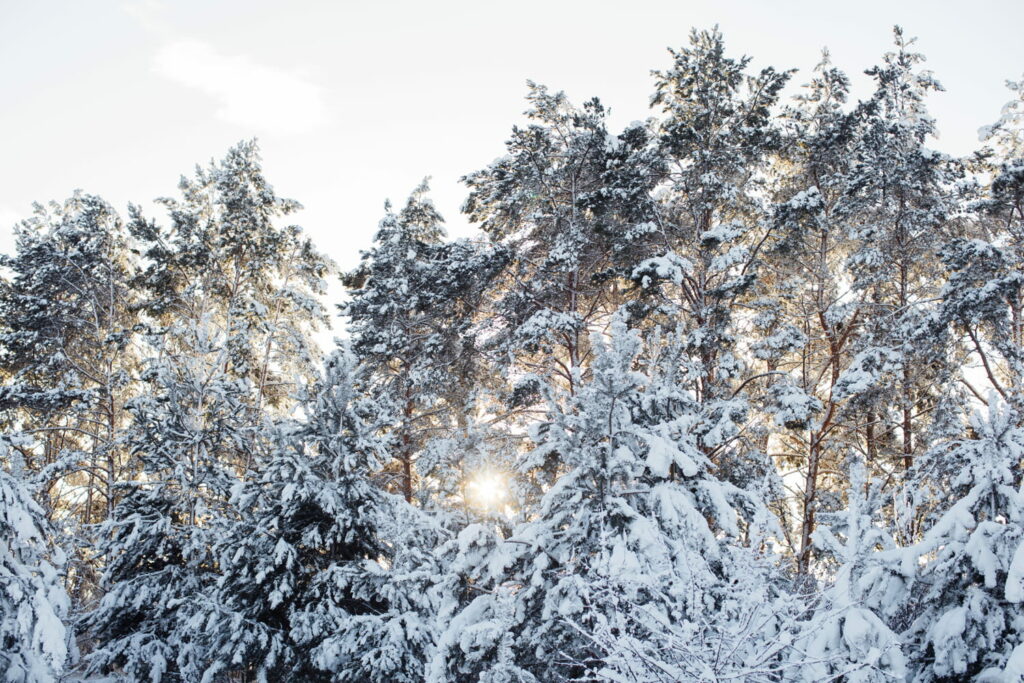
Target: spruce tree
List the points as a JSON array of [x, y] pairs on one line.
[[34, 635], [187, 431], [324, 576], [968, 567], [848, 635], [635, 540]]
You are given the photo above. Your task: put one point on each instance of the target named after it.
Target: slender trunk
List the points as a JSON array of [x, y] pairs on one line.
[[111, 427], [870, 440], [87, 511], [908, 444], [406, 457], [809, 503]]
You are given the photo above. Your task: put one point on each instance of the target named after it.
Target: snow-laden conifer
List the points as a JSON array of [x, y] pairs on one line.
[[848, 636], [634, 539], [189, 431], [969, 566], [324, 575], [900, 203], [410, 312], [983, 297], [34, 635], [226, 256], [69, 354]]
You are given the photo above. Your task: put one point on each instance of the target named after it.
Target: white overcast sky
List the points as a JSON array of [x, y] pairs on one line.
[[354, 103]]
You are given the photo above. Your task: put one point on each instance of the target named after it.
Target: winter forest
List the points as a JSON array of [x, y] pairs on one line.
[[733, 394]]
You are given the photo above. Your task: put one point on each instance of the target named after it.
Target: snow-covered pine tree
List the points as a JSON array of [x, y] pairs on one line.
[[555, 199], [34, 638], [225, 257], [190, 427], [561, 211], [325, 576], [410, 312], [982, 304], [392, 318], [549, 204], [714, 139], [984, 296], [848, 638], [461, 441], [1007, 133], [900, 203], [969, 566], [67, 348], [808, 317]]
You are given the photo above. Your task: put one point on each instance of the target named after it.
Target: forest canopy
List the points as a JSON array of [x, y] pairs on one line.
[[734, 393]]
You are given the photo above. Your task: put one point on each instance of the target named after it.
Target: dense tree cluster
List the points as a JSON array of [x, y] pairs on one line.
[[736, 393]]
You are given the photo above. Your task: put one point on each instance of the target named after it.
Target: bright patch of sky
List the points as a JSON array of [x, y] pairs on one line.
[[239, 86], [8, 218], [354, 103]]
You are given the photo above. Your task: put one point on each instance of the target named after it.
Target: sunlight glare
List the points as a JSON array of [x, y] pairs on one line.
[[487, 490]]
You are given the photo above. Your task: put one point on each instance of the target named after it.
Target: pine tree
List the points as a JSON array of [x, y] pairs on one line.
[[461, 441], [411, 308], [714, 140], [900, 205], [605, 440], [983, 296], [547, 203], [225, 258], [808, 320], [68, 347], [34, 638]]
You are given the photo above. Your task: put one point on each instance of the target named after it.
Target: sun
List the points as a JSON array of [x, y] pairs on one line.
[[487, 490]]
